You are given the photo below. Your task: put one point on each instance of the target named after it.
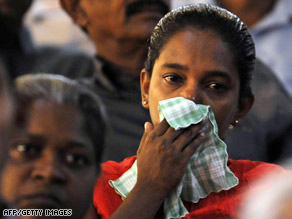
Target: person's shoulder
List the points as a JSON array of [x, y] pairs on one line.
[[265, 78], [111, 170], [105, 199], [60, 61], [117, 168], [250, 170]]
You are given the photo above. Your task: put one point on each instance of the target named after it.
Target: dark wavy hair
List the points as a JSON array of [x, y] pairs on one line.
[[208, 17]]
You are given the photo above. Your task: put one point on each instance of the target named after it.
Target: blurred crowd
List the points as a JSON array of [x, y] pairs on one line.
[[71, 98]]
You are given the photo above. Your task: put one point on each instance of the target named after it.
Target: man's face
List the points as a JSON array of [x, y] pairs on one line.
[[123, 19]]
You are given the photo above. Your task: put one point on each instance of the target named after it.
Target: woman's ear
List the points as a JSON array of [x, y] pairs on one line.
[[144, 83], [244, 107], [76, 12]]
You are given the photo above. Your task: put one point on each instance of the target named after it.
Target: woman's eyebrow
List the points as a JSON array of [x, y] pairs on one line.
[[35, 137], [222, 74], [175, 66], [76, 144]]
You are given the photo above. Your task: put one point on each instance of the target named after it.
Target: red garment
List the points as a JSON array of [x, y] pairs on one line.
[[224, 204]]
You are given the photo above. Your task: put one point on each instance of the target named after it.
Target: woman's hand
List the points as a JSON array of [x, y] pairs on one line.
[[162, 159], [164, 153]]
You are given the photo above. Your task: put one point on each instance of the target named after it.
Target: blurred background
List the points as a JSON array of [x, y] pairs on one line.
[[41, 21]]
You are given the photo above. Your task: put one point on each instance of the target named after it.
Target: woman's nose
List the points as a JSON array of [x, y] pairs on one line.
[[47, 168], [191, 92]]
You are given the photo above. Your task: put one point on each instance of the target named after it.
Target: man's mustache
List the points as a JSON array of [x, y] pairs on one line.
[[138, 6]]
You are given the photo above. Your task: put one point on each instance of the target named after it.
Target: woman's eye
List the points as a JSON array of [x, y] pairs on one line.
[[76, 160], [26, 148], [22, 148], [218, 87], [173, 78], [23, 151]]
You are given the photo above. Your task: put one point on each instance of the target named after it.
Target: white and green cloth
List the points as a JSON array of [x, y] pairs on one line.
[[207, 169]]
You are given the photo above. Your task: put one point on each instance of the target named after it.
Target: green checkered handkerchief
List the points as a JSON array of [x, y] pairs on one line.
[[207, 169]]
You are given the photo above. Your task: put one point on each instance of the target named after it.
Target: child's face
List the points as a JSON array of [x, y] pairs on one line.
[[52, 165]]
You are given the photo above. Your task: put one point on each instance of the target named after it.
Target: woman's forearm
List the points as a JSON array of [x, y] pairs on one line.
[[142, 202]]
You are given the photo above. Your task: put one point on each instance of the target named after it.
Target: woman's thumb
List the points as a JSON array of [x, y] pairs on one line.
[[148, 127]]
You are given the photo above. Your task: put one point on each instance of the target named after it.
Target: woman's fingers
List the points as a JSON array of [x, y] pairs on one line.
[[163, 154], [148, 128], [189, 135], [180, 144], [161, 128], [192, 146]]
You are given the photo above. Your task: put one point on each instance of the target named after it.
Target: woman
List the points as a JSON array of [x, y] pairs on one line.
[[54, 163], [204, 54]]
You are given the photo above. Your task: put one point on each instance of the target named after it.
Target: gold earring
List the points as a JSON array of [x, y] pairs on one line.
[[235, 123], [144, 102]]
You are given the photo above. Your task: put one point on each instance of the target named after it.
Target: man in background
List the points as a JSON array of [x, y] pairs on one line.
[[119, 30]]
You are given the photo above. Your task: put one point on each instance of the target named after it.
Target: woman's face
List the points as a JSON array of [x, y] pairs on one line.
[[52, 165], [196, 65]]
